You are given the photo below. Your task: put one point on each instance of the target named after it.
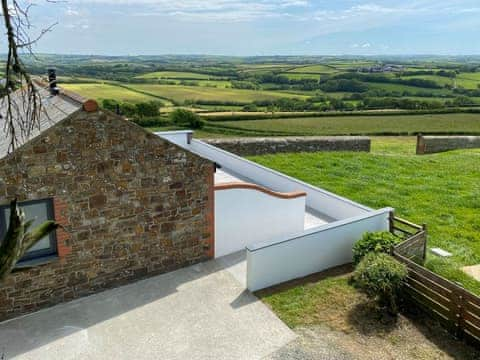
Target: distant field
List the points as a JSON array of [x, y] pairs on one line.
[[105, 91], [316, 69], [296, 76], [254, 67], [207, 83], [441, 80], [175, 75], [182, 93], [401, 87], [468, 80], [351, 64], [358, 125]]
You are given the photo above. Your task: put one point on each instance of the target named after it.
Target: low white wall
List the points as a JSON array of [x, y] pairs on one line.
[[334, 206], [247, 216], [179, 137], [310, 252]]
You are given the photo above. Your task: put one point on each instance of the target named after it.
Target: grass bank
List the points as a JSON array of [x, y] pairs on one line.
[[441, 190], [333, 320]]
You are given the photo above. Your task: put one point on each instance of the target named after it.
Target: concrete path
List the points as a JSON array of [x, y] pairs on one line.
[[200, 312]]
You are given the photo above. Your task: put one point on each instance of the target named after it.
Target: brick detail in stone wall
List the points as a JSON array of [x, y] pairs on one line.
[[435, 144], [132, 205], [272, 145], [61, 217]]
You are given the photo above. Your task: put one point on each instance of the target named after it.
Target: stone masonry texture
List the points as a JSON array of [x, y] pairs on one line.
[[131, 204], [435, 144], [272, 145]]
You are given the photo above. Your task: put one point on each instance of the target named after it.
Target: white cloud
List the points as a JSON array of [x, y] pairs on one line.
[[334, 16], [72, 12], [231, 10]]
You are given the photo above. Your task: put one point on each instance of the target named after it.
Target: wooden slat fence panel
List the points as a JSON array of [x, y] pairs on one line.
[[455, 307]]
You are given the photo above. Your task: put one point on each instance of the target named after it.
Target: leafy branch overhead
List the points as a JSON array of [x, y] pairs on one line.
[[21, 107], [20, 110]]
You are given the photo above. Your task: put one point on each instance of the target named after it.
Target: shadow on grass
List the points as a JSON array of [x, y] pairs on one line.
[[438, 335], [367, 319]]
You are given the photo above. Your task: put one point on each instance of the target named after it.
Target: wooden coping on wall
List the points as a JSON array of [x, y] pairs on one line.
[[242, 185]]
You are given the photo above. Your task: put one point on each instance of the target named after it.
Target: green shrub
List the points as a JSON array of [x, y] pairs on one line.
[[155, 121], [250, 108], [148, 109], [378, 242], [186, 118], [381, 277]]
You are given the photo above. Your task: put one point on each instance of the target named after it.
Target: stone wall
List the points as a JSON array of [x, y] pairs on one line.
[[272, 145], [132, 205], [435, 144]]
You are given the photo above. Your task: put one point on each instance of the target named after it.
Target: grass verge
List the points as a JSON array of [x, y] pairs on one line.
[[441, 190]]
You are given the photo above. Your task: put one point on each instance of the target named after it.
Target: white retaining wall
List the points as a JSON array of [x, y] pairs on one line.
[[289, 257], [180, 137], [247, 216], [334, 206], [309, 252]]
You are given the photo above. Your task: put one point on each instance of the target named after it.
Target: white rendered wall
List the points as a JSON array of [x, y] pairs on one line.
[[334, 206], [325, 202], [309, 252], [247, 216], [180, 137]]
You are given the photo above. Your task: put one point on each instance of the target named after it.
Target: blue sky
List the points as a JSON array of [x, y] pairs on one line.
[[265, 27]]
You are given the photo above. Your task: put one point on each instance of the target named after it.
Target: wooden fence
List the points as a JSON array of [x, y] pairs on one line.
[[455, 307]]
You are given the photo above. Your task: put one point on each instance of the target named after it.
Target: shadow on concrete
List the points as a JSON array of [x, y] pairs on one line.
[[21, 335], [243, 299]]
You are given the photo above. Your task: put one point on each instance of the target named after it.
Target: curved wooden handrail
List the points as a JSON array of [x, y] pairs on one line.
[[242, 185]]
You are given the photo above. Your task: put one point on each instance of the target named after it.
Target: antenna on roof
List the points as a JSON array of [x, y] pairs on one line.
[[52, 81]]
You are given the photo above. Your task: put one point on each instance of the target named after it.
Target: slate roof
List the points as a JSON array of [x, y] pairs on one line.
[[55, 108]]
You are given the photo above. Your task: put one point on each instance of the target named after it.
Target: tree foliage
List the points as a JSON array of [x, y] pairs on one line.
[[186, 118]]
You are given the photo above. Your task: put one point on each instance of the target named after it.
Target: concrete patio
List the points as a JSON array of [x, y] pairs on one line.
[[199, 312]]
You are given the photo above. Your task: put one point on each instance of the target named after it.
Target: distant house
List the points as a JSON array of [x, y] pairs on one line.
[[388, 68], [131, 204]]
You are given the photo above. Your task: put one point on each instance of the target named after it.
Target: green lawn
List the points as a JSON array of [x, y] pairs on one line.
[[379, 125], [326, 309], [441, 190]]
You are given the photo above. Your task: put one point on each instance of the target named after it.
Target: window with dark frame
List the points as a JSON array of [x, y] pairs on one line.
[[39, 211]]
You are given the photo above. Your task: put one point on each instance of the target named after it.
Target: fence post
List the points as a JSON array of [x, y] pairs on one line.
[[457, 310], [420, 144], [425, 235], [391, 219]]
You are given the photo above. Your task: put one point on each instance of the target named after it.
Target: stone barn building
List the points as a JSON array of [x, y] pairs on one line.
[[131, 204]]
